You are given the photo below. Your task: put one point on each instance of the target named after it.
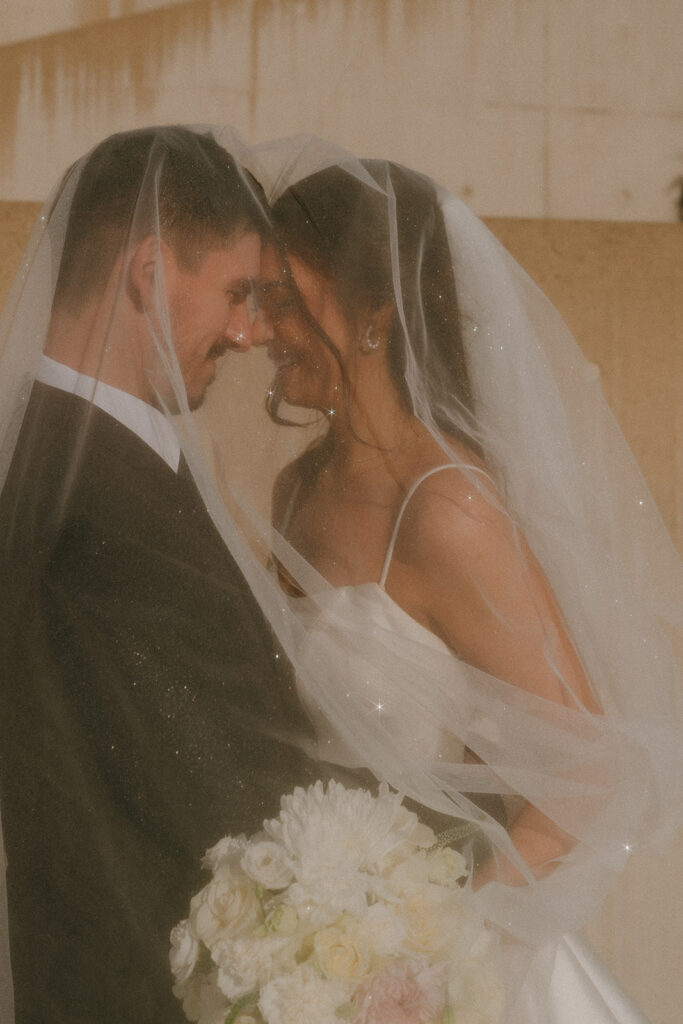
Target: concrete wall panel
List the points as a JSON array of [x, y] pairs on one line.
[[524, 107]]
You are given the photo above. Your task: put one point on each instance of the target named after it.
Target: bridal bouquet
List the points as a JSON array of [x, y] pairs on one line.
[[344, 909]]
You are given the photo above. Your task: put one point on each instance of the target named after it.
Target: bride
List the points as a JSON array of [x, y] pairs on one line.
[[471, 568]]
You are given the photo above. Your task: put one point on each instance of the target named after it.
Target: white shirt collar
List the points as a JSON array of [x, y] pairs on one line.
[[148, 423]]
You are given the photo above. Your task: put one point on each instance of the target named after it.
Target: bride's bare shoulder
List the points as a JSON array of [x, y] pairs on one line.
[[455, 514]]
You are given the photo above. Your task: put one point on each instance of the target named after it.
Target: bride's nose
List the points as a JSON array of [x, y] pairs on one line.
[[261, 328]]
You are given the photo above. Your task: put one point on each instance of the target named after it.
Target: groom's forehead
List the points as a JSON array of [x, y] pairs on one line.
[[233, 263], [273, 269]]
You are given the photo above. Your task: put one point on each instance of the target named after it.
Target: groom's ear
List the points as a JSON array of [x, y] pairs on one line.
[[144, 272]]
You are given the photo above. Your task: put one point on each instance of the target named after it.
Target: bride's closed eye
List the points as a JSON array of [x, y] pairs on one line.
[[277, 300]]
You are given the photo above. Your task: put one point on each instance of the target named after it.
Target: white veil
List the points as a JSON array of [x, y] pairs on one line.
[[572, 487], [557, 469]]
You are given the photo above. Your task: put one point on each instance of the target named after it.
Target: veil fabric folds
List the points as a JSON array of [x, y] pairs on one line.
[[500, 426]]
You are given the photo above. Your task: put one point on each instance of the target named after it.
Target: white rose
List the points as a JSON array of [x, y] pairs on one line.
[[431, 923], [341, 952], [227, 905], [267, 864], [184, 952], [227, 850], [446, 866]]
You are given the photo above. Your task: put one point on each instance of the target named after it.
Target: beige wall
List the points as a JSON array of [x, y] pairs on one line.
[[618, 286], [538, 108], [31, 19]]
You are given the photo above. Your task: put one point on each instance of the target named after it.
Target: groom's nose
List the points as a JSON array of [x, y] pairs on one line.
[[239, 331]]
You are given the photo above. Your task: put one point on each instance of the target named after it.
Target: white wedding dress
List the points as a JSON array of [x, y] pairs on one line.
[[581, 990]]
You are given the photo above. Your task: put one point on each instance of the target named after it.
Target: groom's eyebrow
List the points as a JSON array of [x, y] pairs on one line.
[[269, 286], [242, 286], [263, 289]]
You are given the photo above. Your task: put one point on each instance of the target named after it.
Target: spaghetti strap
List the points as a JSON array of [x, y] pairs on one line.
[[399, 517]]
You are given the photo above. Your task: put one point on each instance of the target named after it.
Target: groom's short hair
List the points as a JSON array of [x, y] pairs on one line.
[[178, 182]]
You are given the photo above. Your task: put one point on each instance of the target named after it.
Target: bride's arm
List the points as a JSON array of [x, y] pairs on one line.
[[463, 569]]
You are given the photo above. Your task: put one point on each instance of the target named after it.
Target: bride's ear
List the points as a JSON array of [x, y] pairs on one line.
[[144, 271], [377, 326]]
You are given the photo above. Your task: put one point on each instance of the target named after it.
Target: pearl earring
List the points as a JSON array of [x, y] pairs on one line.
[[368, 343]]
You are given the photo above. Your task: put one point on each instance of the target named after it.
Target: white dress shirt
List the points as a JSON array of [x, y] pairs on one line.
[[148, 423]]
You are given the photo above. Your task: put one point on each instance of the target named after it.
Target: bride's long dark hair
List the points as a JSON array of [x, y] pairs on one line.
[[383, 240]]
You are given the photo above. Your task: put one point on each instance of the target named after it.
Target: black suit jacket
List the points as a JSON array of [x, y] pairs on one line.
[[140, 684]]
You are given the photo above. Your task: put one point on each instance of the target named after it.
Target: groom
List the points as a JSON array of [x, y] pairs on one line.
[[140, 687]]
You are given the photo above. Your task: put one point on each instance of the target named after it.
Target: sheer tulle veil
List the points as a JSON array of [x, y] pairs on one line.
[[571, 486], [556, 466]]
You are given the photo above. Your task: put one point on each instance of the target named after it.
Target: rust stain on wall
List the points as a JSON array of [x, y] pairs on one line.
[[97, 62], [261, 12], [88, 11], [92, 10], [93, 63]]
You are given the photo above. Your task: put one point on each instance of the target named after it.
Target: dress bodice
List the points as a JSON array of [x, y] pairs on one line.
[[360, 637], [373, 649]]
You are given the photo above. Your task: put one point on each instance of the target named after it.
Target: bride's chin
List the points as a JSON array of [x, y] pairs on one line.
[[296, 394], [300, 400]]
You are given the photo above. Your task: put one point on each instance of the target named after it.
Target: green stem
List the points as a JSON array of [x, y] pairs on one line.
[[240, 1005]]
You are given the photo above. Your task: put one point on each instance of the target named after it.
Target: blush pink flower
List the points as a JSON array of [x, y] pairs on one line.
[[405, 993]]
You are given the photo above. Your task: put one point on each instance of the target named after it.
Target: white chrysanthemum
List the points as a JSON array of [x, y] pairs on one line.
[[302, 997], [184, 951], [227, 850], [267, 863], [334, 837], [246, 964]]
